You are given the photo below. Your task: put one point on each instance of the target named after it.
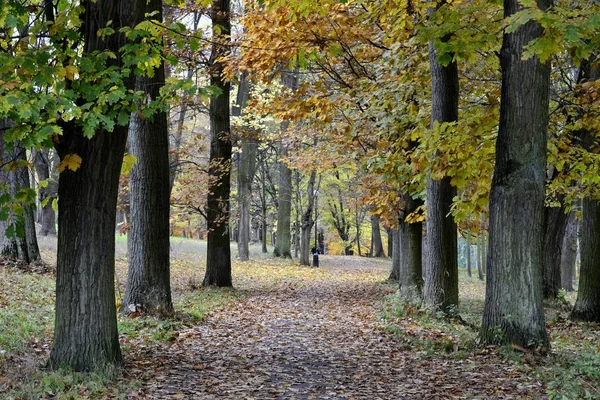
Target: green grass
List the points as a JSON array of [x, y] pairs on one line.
[[26, 310]]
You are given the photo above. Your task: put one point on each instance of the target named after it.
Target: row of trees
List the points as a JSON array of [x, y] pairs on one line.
[[338, 88]]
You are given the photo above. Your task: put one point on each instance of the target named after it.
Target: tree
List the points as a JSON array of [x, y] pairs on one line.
[[42, 162], [376, 237], [218, 256], [441, 279], [554, 233], [284, 208], [148, 286], [307, 220], [21, 244], [411, 237], [517, 195], [246, 171], [569, 253], [587, 306]]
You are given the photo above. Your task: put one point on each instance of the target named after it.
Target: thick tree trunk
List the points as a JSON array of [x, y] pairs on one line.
[[569, 253], [47, 194], [284, 210], [307, 222], [85, 335], [513, 310], [148, 285], [395, 239], [587, 306], [441, 282], [218, 253], [411, 267], [246, 171], [376, 242], [556, 224]]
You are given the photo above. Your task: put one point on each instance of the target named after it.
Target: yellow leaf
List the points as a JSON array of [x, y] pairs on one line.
[[71, 161]]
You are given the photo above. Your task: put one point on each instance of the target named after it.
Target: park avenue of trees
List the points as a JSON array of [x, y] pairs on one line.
[[300, 124]]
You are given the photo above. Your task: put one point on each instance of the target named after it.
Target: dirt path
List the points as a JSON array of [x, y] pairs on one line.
[[318, 339]]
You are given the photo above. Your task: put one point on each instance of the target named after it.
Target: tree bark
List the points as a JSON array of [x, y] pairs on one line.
[[307, 222], [218, 257], [148, 287], [411, 267], [469, 267], [480, 255], [513, 310], [284, 210], [569, 253], [246, 171], [23, 246], [395, 235], [587, 306], [47, 194], [555, 226], [441, 282], [376, 242]]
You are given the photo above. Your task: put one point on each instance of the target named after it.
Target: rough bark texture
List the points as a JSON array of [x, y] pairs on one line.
[[284, 210], [587, 306], [480, 255], [441, 282], [376, 241], [85, 333], [218, 256], [46, 195], [556, 224], [513, 310], [246, 170], [411, 267], [569, 253], [307, 222], [22, 247], [148, 287]]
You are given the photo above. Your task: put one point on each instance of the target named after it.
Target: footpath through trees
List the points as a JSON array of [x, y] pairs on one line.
[[316, 333]]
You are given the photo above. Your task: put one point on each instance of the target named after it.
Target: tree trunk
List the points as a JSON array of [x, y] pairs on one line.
[[469, 267], [85, 334], [47, 194], [23, 246], [395, 274], [411, 267], [246, 171], [569, 253], [376, 242], [587, 306], [390, 242], [513, 310], [307, 222], [218, 253], [284, 209], [555, 226], [480, 255], [441, 283], [148, 286]]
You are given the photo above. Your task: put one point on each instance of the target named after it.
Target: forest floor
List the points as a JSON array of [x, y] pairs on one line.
[[292, 332]]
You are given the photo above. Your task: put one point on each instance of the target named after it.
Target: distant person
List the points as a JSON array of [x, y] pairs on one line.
[[315, 253]]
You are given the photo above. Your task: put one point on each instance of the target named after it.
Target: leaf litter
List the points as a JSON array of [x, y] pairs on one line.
[[304, 333]]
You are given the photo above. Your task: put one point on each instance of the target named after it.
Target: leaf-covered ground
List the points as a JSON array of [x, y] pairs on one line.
[[291, 332], [313, 334]]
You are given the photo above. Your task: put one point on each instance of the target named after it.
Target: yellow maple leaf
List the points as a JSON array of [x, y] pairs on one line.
[[71, 161]]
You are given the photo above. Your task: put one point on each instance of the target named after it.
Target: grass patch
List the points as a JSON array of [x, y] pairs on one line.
[[26, 310]]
